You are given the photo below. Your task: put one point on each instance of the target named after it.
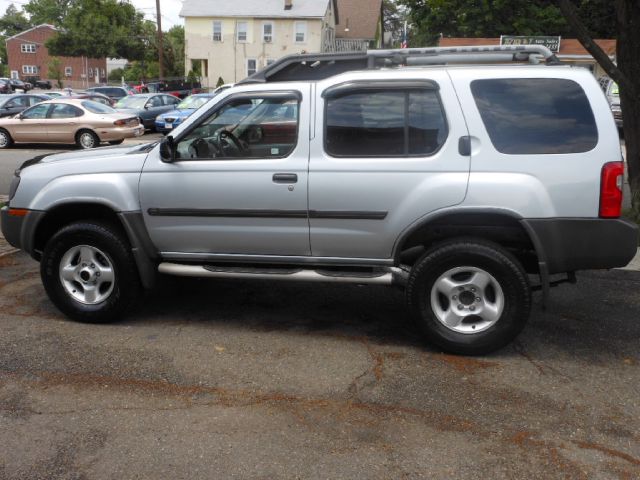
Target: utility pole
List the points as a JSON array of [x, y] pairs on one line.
[[160, 47]]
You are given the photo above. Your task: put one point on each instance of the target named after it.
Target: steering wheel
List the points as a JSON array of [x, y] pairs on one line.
[[201, 148], [226, 136]]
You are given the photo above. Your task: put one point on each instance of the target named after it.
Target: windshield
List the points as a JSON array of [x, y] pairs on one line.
[[132, 101], [95, 107], [193, 102]]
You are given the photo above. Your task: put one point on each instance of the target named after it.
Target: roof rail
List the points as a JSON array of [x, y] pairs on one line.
[[324, 65]]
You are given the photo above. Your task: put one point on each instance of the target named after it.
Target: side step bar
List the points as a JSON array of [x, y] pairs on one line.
[[386, 276]]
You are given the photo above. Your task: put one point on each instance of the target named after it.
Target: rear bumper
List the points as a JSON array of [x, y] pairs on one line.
[[570, 244]]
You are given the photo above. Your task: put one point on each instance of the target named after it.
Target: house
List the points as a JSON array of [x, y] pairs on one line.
[[28, 58], [569, 50], [230, 40], [360, 26]]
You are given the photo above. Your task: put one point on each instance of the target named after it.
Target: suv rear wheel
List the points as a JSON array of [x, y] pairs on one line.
[[469, 296], [89, 273]]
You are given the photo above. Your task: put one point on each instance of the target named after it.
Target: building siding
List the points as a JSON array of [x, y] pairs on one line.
[[37, 36]]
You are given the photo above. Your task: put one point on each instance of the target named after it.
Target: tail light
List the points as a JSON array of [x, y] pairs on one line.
[[611, 189], [126, 121]]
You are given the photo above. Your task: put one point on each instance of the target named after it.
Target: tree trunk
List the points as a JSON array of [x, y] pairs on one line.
[[626, 73], [628, 54]]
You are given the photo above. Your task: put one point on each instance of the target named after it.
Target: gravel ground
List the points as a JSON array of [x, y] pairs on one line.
[[258, 380]]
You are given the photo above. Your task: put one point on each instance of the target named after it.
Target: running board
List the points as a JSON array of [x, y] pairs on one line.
[[385, 276]]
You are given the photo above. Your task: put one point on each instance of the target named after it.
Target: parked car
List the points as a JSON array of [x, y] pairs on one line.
[[83, 122], [147, 106], [5, 85], [94, 96], [17, 84], [178, 87], [461, 185], [610, 89], [15, 103], [168, 121], [44, 84], [114, 93]]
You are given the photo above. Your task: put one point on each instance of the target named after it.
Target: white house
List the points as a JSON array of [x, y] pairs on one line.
[[231, 39]]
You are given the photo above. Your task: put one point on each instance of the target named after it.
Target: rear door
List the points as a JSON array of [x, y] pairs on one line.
[[62, 122], [384, 154]]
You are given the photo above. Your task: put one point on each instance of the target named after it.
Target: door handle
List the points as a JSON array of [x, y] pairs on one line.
[[464, 146], [285, 178]]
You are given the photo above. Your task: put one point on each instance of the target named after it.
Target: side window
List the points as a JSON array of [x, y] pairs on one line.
[[35, 100], [17, 102], [171, 100], [536, 115], [37, 112], [260, 127], [384, 123], [154, 102], [62, 110]]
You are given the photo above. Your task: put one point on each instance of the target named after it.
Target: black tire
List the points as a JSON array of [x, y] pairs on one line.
[[116, 142], [466, 254], [5, 139], [86, 139], [108, 239]]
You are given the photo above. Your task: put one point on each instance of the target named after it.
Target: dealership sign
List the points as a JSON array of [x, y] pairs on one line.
[[552, 43]]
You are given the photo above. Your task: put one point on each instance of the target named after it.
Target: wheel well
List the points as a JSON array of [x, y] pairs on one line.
[[85, 130], [63, 215], [502, 229]]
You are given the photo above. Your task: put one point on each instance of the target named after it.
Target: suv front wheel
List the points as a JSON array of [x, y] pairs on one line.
[[89, 273], [469, 296]]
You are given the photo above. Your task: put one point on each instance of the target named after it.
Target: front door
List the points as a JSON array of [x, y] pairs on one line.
[[238, 184], [32, 125]]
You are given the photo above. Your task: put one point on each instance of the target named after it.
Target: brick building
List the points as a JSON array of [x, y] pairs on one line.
[[28, 57]]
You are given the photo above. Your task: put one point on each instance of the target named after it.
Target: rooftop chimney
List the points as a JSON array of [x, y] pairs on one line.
[[288, 4]]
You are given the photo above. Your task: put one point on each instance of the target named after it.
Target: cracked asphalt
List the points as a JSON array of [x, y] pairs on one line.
[[257, 380]]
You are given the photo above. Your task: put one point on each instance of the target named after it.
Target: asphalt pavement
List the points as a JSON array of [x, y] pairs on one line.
[[259, 380]]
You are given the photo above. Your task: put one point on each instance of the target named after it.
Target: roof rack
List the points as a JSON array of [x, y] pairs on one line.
[[324, 65]]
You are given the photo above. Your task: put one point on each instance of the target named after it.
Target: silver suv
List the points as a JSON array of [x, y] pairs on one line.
[[459, 183]]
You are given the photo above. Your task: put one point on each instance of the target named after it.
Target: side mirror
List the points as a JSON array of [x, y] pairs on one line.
[[167, 149]]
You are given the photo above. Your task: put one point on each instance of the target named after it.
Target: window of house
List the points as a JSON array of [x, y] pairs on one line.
[[300, 32], [103, 73], [91, 73], [241, 29], [268, 62], [252, 66], [267, 32], [28, 48], [536, 115], [68, 71], [257, 128], [384, 123], [217, 31], [29, 69]]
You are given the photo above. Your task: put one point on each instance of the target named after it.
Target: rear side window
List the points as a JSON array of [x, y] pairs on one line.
[[385, 123], [536, 115]]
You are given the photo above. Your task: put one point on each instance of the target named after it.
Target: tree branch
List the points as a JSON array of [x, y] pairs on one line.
[[570, 13]]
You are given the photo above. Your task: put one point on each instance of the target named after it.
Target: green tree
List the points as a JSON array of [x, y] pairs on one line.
[[174, 52], [492, 18], [54, 70], [100, 28], [47, 11], [13, 22], [626, 73], [115, 75]]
